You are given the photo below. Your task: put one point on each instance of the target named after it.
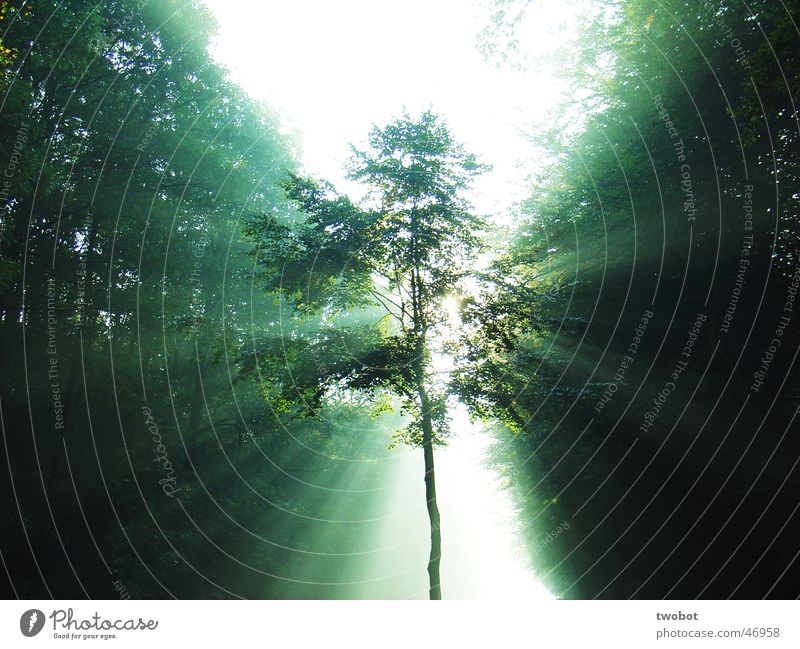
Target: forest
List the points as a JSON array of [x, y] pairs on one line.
[[217, 367]]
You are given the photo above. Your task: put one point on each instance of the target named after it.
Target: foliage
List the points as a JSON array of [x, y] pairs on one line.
[[128, 386], [672, 168], [401, 254]]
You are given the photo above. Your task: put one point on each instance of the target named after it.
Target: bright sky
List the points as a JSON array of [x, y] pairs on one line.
[[332, 69]]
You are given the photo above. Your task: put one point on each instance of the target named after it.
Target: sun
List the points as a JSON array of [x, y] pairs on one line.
[[452, 308]]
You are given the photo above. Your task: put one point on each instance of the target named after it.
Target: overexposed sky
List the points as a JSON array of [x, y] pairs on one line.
[[332, 69]]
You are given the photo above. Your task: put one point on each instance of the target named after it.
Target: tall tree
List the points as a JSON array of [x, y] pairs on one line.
[[402, 254]]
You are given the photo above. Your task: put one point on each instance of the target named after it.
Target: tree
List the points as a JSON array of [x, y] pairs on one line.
[[400, 255], [129, 159]]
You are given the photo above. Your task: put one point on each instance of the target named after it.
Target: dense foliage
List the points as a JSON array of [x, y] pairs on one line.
[[628, 337], [144, 449]]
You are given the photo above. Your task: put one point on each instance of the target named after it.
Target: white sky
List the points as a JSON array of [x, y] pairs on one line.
[[332, 69]]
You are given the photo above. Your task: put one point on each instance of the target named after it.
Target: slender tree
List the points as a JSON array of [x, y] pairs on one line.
[[402, 253]]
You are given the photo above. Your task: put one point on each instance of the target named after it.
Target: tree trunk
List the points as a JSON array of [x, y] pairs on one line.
[[196, 406], [83, 339], [430, 497], [15, 253]]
